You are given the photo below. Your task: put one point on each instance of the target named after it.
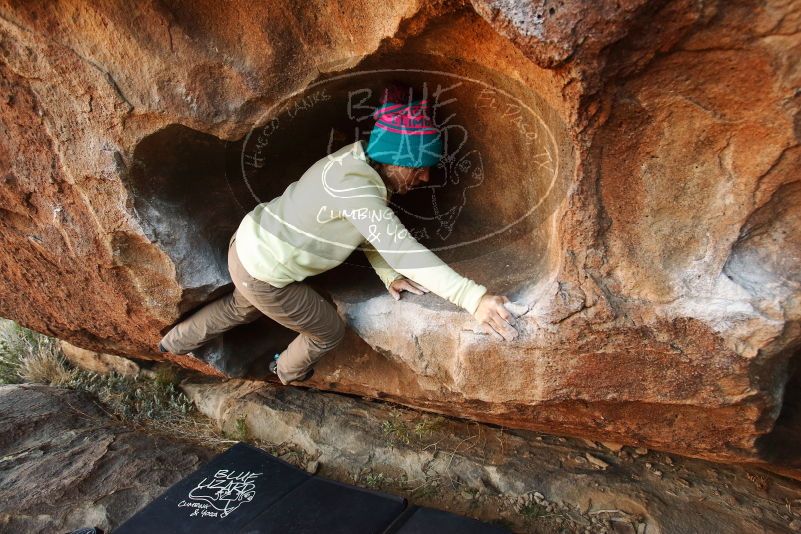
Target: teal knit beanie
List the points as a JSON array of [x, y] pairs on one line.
[[405, 135]]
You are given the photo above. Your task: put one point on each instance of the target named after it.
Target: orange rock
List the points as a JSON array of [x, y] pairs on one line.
[[628, 172]]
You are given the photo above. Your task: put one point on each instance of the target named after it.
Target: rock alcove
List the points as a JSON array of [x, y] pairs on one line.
[[487, 209]]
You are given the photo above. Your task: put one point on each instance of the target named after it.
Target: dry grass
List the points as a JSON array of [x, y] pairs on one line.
[[46, 366], [155, 405], [399, 430], [27, 356]]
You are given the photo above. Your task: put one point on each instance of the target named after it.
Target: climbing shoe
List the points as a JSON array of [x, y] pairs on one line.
[[163, 349], [274, 370]]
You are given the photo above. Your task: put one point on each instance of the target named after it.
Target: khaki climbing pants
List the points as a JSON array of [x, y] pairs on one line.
[[296, 306]]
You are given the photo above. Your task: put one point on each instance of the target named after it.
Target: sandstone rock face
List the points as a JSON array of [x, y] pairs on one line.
[[67, 464], [98, 362], [627, 170]]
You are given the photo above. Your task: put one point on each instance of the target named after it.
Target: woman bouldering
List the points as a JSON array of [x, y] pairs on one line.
[[338, 204]]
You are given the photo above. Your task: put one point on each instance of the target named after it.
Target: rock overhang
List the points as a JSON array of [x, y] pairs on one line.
[[489, 209], [629, 334]]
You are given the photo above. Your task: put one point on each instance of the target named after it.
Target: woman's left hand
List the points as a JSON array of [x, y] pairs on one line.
[[404, 284]]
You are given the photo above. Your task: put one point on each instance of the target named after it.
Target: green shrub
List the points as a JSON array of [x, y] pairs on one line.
[[28, 356], [134, 399]]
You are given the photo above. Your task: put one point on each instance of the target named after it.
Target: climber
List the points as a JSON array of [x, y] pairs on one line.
[[339, 203]]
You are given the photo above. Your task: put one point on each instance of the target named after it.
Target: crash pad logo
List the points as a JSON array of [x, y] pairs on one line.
[[221, 494]]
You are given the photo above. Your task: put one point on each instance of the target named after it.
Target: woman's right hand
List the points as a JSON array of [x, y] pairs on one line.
[[493, 315]]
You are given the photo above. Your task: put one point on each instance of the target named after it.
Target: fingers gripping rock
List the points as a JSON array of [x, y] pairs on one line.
[[516, 308]]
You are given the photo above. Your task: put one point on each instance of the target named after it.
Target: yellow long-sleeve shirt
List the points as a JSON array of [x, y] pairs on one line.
[[338, 204]]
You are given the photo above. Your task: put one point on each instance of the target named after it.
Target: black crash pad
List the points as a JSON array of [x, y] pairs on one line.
[[246, 490], [323, 506], [221, 497], [430, 521]]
